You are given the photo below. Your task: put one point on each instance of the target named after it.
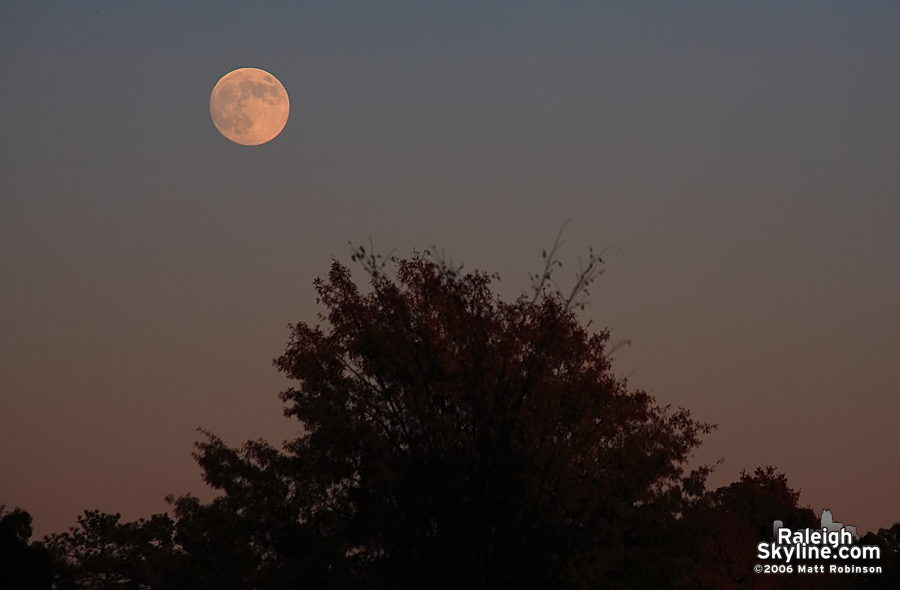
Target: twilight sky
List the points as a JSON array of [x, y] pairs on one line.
[[744, 160]]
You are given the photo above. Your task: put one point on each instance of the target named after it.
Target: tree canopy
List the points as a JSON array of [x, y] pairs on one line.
[[447, 439], [452, 439], [23, 566]]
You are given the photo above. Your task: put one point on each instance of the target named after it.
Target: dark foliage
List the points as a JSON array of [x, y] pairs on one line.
[[726, 526], [450, 439], [102, 552], [888, 540], [23, 565]]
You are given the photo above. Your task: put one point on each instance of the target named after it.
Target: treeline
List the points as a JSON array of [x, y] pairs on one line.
[[712, 545], [449, 439]]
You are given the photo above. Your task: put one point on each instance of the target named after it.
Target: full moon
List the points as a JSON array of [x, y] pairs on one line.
[[249, 106]]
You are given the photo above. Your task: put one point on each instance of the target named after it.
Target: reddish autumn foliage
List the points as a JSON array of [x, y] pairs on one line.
[[449, 439], [457, 440], [730, 522]]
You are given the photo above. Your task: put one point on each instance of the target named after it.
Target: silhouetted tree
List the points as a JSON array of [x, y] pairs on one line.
[[23, 565], [888, 540], [762, 498], [103, 553], [724, 528], [449, 439]]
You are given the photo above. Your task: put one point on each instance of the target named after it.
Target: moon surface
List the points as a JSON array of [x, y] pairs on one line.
[[249, 106]]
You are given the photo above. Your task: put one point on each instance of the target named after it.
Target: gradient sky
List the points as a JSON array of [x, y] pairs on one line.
[[744, 160]]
